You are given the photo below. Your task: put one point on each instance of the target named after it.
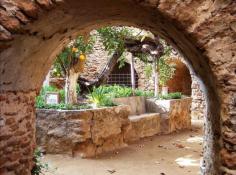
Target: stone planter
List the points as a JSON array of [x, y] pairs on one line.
[[175, 113], [143, 123], [136, 104], [86, 133]]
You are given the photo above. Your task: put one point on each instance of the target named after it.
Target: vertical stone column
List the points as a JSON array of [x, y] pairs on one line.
[[17, 132], [228, 114], [198, 99]]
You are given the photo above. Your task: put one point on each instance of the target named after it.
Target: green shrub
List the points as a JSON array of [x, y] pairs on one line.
[[174, 95], [116, 91], [139, 92], [39, 167], [99, 97], [40, 99], [64, 106]]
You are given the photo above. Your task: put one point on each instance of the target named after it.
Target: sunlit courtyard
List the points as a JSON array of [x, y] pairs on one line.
[[176, 154]]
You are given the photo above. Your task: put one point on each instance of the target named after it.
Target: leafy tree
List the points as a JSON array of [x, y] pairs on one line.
[[145, 46], [70, 63]]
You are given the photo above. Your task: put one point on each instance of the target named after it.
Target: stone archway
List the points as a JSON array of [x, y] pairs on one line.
[[203, 31]]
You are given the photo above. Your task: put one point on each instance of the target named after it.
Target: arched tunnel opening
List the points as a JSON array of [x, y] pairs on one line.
[[33, 36]]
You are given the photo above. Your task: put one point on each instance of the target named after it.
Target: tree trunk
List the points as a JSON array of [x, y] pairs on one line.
[[70, 87], [156, 78], [47, 79], [132, 73], [103, 77]]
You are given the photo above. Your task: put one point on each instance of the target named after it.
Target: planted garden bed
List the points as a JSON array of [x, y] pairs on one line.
[[114, 119]]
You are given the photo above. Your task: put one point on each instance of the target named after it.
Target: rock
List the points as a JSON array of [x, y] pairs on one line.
[[9, 22], [229, 158]]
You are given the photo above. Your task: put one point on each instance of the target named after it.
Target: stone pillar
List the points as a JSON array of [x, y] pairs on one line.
[[198, 99], [17, 132]]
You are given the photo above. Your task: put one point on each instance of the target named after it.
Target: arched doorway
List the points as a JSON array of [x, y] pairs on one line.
[[189, 26]]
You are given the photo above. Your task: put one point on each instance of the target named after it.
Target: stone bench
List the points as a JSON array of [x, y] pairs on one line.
[[141, 126]]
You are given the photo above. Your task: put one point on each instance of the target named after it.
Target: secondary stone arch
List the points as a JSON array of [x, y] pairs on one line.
[[193, 27]]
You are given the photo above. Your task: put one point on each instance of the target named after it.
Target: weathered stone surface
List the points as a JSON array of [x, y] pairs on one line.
[[203, 31], [136, 104], [181, 81], [4, 35], [17, 132], [229, 158], [47, 4], [10, 23], [141, 126], [86, 133], [175, 114]]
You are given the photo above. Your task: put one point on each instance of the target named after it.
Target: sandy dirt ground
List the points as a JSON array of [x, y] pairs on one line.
[[175, 154]]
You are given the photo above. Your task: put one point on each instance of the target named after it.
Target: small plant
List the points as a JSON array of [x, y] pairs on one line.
[[39, 166], [63, 106], [99, 98], [40, 99], [174, 95], [116, 91], [139, 92]]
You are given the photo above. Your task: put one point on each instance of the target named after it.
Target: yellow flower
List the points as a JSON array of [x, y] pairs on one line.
[[75, 49], [82, 57]]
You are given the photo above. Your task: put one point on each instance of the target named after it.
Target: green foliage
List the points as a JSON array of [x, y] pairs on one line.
[[40, 99], [174, 95], [82, 46], [148, 70], [63, 106], [113, 38], [99, 97], [39, 167], [139, 92], [116, 91], [69, 55], [166, 70]]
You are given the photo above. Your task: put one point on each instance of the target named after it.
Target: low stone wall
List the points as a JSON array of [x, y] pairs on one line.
[[175, 113], [86, 133]]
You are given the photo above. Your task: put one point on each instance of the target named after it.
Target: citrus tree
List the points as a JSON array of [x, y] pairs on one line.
[[70, 63]]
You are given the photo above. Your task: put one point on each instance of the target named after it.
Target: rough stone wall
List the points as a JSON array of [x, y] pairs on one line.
[[88, 133], [85, 133], [198, 106], [175, 113], [181, 80], [96, 60], [202, 30], [17, 132], [198, 100]]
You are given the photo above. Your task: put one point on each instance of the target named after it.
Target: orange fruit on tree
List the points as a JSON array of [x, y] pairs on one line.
[[82, 57], [74, 49]]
